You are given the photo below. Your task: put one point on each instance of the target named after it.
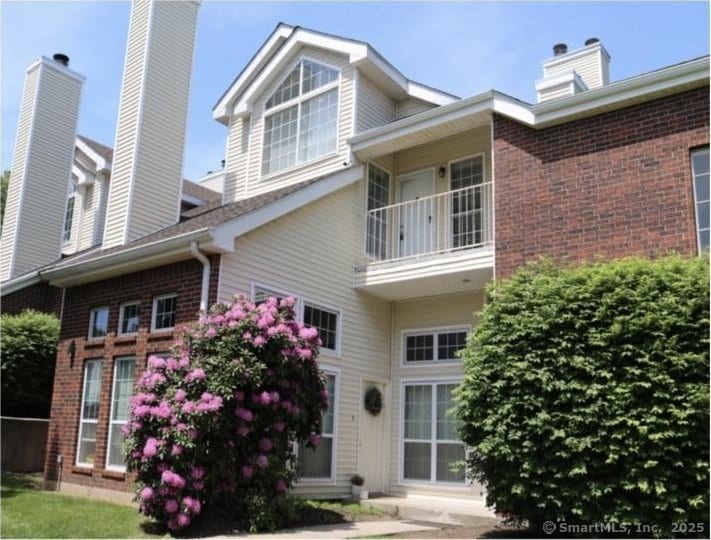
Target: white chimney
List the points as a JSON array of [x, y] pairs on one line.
[[146, 179], [41, 167], [569, 73]]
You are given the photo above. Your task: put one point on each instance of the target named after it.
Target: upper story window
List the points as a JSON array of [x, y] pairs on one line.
[[301, 117], [98, 323], [700, 170], [69, 210], [163, 318], [128, 318], [433, 345]]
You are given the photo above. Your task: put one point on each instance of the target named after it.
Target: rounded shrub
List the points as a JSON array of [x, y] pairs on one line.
[[213, 426], [586, 394]]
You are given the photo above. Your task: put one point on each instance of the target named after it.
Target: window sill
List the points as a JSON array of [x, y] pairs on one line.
[[94, 343], [125, 338], [159, 335]]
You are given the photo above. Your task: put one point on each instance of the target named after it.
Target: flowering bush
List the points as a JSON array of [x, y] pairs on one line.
[[215, 424]]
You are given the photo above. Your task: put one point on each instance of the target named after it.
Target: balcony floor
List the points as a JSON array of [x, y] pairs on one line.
[[428, 275]]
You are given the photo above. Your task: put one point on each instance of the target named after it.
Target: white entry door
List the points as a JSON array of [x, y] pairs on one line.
[[372, 453], [417, 219]]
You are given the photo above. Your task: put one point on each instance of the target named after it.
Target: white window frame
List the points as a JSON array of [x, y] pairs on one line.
[[122, 306], [82, 421], [339, 322], [388, 226], [271, 291], [298, 101], [433, 382], [326, 480], [92, 317], [450, 218], [696, 200], [154, 312], [435, 331], [114, 424], [71, 195]]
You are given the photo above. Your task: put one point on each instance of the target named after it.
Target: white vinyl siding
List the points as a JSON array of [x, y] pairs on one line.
[[121, 393], [319, 463], [163, 313], [410, 106], [243, 165], [89, 414], [700, 170], [322, 277], [374, 107], [98, 323]]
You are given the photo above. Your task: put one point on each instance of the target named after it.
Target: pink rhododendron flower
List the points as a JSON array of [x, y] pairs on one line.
[[191, 504], [188, 407], [147, 493], [244, 414], [183, 520], [171, 364], [280, 486], [180, 395], [172, 479], [156, 362], [211, 332], [279, 426], [265, 398], [259, 341], [308, 333], [247, 472], [176, 450], [151, 447], [197, 472], [171, 506], [314, 440], [239, 395], [198, 484], [243, 431], [265, 444], [197, 374], [262, 461]]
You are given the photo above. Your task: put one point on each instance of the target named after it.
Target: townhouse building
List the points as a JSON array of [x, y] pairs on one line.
[[384, 206]]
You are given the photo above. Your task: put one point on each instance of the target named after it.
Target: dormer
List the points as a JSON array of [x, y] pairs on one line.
[[291, 111]]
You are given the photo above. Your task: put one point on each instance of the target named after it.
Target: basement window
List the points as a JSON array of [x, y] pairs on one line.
[[98, 323], [163, 318], [700, 171]]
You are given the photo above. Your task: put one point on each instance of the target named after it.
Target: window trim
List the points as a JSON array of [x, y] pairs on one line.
[[112, 422], [154, 312], [433, 382], [298, 101], [122, 306], [92, 317], [82, 421], [336, 353], [692, 151], [435, 331], [328, 481], [366, 210]]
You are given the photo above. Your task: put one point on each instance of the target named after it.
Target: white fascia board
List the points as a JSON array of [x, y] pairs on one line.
[[164, 247], [224, 234], [82, 178], [101, 163], [430, 95], [16, 284], [220, 112]]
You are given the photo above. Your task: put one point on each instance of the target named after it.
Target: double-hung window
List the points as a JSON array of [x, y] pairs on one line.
[[98, 323], [377, 226], [326, 321], [120, 396], [89, 414], [301, 117], [318, 463], [430, 449], [69, 210], [700, 171], [128, 318], [163, 317], [433, 345]]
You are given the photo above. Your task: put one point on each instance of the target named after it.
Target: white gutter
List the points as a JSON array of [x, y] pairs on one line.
[[205, 288], [18, 283]]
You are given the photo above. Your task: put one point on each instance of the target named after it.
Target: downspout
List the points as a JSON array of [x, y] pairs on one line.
[[205, 289]]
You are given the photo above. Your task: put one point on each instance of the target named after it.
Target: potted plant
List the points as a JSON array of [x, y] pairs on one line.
[[357, 482]]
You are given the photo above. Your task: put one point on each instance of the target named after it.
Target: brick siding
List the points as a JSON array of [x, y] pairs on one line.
[[610, 185], [184, 279], [40, 297]]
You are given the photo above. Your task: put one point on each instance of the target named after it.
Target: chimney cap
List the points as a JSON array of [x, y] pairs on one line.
[[559, 49], [591, 41], [61, 58]]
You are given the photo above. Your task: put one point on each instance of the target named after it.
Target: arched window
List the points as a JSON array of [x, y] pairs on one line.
[[300, 118], [69, 211]]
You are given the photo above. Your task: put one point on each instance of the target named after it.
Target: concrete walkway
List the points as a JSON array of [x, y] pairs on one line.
[[343, 530], [448, 511]]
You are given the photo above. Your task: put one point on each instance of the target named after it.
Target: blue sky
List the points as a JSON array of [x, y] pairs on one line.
[[460, 47]]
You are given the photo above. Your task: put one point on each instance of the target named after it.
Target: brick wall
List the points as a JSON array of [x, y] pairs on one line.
[[611, 185], [40, 296], [184, 279]]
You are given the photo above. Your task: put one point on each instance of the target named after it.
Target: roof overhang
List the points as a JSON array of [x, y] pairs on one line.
[[477, 110], [16, 284], [102, 164], [284, 44]]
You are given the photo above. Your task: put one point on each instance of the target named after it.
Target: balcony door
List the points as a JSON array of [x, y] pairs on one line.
[[416, 214]]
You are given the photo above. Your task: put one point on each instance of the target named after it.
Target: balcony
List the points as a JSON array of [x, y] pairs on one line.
[[438, 244]]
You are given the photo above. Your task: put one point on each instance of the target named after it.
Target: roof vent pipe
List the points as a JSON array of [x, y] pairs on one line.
[[61, 58], [591, 41], [559, 49]]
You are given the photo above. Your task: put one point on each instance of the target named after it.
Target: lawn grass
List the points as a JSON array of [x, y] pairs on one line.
[[28, 512]]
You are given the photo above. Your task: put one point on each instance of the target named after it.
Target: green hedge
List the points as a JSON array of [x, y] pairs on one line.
[[29, 348], [586, 393]]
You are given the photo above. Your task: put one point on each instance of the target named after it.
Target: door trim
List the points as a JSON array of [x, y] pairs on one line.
[[385, 450], [401, 177]]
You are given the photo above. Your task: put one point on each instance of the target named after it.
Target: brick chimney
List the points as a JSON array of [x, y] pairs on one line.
[[41, 167], [569, 73], [146, 179]]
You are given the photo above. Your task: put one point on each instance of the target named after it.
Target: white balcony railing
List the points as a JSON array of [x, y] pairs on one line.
[[445, 222]]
